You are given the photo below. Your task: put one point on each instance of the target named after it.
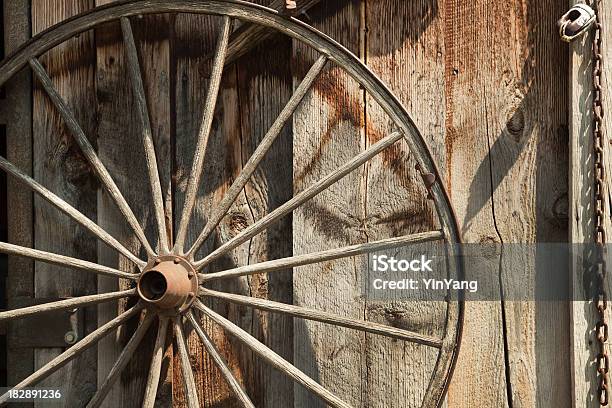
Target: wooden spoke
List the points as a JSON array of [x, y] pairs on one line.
[[66, 304], [272, 358], [147, 134], [256, 158], [74, 351], [221, 364], [62, 260], [156, 364], [89, 152], [301, 198], [121, 362], [323, 256], [309, 314], [69, 210], [205, 127], [190, 387]]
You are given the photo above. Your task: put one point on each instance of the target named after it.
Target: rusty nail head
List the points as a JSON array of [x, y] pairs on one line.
[[429, 179]]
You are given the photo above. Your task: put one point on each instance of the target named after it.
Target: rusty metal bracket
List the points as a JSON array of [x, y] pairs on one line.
[[429, 179], [58, 329]]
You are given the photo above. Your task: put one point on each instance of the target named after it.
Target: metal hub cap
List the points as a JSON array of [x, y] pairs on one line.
[[168, 282]]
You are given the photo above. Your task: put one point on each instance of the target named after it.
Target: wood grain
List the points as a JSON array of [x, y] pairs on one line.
[[65, 304], [408, 57], [123, 359], [259, 153], [60, 166], [324, 256], [242, 119], [73, 352], [135, 70], [88, 150], [51, 367], [506, 140], [188, 382], [329, 318], [264, 89], [605, 14], [583, 316], [196, 37], [17, 110], [274, 359], [154, 375], [467, 148], [204, 132], [303, 197], [504, 128], [62, 260], [60, 204], [328, 131], [121, 149], [241, 395]]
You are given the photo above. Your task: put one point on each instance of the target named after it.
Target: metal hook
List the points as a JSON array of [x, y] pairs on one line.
[[576, 22]]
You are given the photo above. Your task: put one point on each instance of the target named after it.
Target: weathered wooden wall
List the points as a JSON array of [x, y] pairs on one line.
[[506, 104], [116, 118], [486, 83], [383, 199], [17, 117], [59, 165]]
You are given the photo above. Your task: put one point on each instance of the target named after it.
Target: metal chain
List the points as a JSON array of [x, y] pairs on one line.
[[601, 328]]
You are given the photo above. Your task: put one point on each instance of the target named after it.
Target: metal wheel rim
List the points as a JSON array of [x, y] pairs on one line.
[[332, 51]]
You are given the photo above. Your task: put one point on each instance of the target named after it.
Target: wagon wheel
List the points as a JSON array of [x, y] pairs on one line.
[[170, 284]]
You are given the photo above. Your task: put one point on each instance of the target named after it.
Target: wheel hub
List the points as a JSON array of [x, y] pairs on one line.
[[168, 282]]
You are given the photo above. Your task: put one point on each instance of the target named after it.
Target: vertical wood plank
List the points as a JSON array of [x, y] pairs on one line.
[[531, 146], [582, 313], [194, 36], [17, 112], [507, 129], [328, 131], [195, 39], [120, 148], [253, 92], [469, 183], [405, 48], [264, 87], [59, 165]]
